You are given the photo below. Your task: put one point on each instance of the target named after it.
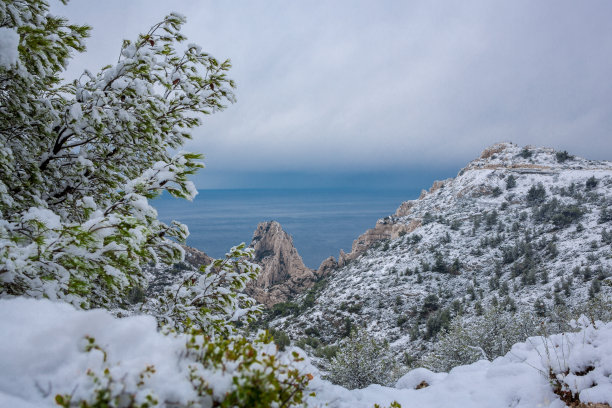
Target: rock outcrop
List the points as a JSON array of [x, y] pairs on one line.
[[283, 272]]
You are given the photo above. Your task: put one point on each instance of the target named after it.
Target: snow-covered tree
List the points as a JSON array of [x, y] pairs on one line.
[[78, 165], [79, 161]]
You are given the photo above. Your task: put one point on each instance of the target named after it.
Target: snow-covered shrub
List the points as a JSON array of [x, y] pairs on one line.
[[255, 376], [79, 162], [483, 337], [210, 299], [92, 359], [361, 361]]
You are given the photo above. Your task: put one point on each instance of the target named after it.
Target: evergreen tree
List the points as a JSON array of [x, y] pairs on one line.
[[510, 182]]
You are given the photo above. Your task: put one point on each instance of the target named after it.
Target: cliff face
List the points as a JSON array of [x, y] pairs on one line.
[[283, 272]]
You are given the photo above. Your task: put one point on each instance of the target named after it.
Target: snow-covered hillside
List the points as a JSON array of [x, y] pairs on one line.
[[521, 230], [46, 352]]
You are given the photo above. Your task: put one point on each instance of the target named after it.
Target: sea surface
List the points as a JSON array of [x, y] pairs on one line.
[[321, 222]]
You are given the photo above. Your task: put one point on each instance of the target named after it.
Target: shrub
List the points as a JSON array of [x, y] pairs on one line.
[[361, 361], [510, 182], [281, 339], [536, 194], [486, 337], [558, 214], [591, 183], [526, 153], [437, 322], [82, 160], [563, 156], [430, 304]]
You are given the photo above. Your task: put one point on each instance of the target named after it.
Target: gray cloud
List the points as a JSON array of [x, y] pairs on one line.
[[373, 86]]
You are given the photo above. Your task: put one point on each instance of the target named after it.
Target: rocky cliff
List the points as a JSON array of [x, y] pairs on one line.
[[283, 274]]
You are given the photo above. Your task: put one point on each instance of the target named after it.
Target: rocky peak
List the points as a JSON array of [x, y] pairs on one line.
[[283, 271]]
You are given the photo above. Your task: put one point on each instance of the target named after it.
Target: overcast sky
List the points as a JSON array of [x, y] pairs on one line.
[[341, 89]]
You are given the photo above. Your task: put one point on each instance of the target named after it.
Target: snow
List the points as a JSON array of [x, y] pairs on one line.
[[46, 217], [9, 41], [44, 353], [416, 376], [518, 379]]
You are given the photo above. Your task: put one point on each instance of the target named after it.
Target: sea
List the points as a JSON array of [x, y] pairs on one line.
[[321, 222]]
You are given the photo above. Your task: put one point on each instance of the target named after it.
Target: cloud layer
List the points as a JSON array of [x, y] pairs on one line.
[[376, 86]]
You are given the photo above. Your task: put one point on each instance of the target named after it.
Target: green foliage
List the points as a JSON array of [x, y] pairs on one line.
[[591, 183], [526, 153], [281, 339], [488, 336], [438, 321], [536, 194], [259, 377], [79, 161], [510, 182], [327, 352], [361, 361], [394, 404], [605, 215], [210, 299], [427, 218], [560, 215], [563, 156], [430, 304]]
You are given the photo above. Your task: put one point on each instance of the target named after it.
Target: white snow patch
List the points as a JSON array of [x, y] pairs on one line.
[[9, 41]]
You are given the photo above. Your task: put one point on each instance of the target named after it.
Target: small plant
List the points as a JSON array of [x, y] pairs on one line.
[[510, 182], [526, 153], [563, 156], [591, 183], [362, 361], [536, 194]]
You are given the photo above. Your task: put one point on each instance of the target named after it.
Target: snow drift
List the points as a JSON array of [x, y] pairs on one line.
[[44, 353]]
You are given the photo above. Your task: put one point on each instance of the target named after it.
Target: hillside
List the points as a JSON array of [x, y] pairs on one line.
[[519, 230]]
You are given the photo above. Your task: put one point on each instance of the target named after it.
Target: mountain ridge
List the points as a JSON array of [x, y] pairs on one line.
[[516, 226]]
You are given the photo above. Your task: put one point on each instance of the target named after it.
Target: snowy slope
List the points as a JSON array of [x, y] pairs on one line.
[[474, 241], [44, 353], [579, 361]]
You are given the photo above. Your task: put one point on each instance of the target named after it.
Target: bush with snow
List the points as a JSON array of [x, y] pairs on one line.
[[362, 360], [90, 358]]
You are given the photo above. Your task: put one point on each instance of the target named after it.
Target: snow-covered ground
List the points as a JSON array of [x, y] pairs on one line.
[[44, 353]]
